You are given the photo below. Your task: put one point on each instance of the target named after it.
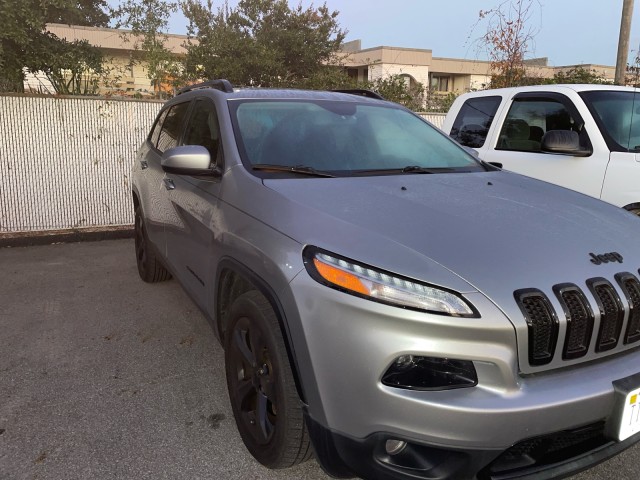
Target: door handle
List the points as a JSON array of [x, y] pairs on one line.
[[144, 164], [168, 184]]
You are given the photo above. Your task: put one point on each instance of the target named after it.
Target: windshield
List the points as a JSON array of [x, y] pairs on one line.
[[618, 115], [344, 138]]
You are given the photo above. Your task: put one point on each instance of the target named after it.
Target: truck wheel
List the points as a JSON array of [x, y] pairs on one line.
[[149, 267], [261, 387]]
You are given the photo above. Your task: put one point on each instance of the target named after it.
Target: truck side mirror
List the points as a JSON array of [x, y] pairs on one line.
[[563, 141]]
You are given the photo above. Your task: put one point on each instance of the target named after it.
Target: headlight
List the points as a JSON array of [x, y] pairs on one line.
[[368, 282]]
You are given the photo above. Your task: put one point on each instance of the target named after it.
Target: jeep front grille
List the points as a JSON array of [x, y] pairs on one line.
[[542, 325], [580, 318], [631, 288], [611, 313]]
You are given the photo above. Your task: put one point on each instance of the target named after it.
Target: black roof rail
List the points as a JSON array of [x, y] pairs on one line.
[[361, 92], [221, 84]]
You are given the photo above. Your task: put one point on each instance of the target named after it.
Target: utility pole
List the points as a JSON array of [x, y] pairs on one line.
[[623, 41]]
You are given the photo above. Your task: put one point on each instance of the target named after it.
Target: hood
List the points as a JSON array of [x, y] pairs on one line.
[[497, 231]]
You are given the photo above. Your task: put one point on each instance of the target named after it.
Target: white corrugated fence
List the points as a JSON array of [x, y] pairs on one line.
[[65, 161], [436, 118]]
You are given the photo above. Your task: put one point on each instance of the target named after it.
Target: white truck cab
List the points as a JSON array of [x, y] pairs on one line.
[[582, 137]]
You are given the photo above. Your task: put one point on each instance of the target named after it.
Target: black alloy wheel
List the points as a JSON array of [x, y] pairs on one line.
[[262, 391]]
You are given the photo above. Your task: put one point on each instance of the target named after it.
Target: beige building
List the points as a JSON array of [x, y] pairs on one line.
[[126, 73], [440, 74]]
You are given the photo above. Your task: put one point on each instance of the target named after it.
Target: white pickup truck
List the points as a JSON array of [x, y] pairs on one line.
[[583, 137]]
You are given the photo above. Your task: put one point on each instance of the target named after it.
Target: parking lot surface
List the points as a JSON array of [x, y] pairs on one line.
[[105, 377]]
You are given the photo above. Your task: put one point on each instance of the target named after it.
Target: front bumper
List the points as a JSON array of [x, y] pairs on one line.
[[344, 457], [352, 341]]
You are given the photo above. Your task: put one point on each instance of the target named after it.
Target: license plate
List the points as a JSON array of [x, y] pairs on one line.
[[630, 419]]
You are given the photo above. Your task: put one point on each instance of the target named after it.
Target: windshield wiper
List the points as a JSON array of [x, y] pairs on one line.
[[409, 169], [417, 169], [303, 169]]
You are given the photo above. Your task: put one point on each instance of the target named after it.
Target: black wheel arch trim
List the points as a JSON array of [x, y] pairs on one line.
[[135, 196], [228, 263]]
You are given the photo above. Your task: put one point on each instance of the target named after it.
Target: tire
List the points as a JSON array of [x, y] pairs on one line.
[[635, 211], [262, 391], [149, 267]]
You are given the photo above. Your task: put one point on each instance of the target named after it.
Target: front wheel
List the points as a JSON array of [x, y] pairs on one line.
[[261, 387]]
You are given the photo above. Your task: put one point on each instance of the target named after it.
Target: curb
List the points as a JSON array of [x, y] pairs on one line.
[[29, 239]]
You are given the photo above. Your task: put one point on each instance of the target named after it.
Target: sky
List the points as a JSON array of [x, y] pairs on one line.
[[568, 31]]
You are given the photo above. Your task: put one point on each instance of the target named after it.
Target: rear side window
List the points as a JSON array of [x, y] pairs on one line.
[[472, 124], [171, 127], [155, 132]]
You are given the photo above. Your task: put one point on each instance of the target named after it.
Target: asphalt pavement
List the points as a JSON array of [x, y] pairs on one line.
[[105, 377]]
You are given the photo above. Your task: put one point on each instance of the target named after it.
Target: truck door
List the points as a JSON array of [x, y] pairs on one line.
[[517, 143]]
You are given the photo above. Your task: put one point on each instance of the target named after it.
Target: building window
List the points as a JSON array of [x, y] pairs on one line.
[[439, 83]]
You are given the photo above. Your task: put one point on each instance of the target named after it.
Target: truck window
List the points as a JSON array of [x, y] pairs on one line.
[[530, 118], [472, 124], [617, 113]]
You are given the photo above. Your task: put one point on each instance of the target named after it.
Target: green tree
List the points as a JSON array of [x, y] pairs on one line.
[[73, 68], [262, 42], [395, 89], [91, 13], [24, 42], [577, 75], [148, 21]]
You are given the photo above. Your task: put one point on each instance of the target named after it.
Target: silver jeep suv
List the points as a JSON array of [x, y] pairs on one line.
[[386, 298]]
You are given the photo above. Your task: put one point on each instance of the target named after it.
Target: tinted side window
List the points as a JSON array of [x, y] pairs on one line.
[[171, 127], [155, 132], [618, 116], [472, 124], [203, 129], [530, 118]]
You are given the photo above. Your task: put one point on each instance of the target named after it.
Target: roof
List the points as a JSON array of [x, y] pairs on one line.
[[280, 94], [111, 38], [293, 94], [559, 88], [385, 54]]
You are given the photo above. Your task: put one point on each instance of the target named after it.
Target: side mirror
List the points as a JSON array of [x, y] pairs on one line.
[[188, 160], [563, 141]]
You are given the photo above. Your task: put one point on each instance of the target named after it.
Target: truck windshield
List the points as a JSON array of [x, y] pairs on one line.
[[618, 115], [341, 138]]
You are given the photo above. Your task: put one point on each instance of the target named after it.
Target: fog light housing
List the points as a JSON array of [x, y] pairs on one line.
[[430, 373], [394, 447]]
